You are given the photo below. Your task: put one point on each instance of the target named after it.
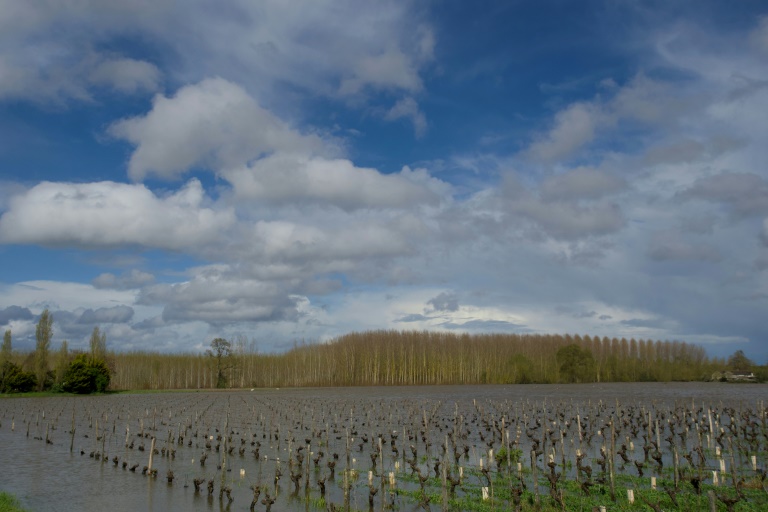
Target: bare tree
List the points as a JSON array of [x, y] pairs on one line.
[[221, 352]]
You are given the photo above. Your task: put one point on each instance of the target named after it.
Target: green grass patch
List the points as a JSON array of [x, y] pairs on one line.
[[50, 393], [318, 503], [9, 503], [468, 496], [35, 394], [151, 391]]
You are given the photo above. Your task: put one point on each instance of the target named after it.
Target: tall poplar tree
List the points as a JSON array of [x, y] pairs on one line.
[[62, 362], [98, 344], [7, 349], [43, 334], [5, 353]]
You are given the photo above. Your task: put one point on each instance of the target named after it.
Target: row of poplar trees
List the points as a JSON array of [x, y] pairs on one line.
[[389, 357]]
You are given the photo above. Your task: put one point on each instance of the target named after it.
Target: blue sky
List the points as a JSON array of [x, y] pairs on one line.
[[276, 172]]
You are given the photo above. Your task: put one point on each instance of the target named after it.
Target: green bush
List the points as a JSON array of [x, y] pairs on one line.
[[761, 373], [86, 375], [16, 380], [576, 364]]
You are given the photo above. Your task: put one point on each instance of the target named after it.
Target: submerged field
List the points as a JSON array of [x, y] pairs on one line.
[[535, 447]]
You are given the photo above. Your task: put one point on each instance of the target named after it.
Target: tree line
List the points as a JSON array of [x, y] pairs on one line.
[[390, 358], [64, 371], [381, 357]]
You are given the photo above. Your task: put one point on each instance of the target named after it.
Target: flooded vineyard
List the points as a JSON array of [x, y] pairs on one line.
[[533, 447]]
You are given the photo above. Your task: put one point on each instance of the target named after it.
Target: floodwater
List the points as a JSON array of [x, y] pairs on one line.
[[279, 424]]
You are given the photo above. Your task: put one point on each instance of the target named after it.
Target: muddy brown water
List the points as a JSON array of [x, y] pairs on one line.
[[47, 476]]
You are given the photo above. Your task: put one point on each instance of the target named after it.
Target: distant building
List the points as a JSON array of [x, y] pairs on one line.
[[729, 376]]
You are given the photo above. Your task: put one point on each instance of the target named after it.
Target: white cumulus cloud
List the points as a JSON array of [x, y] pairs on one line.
[[214, 123], [111, 214], [290, 177]]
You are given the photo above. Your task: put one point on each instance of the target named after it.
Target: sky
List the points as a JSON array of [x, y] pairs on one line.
[[287, 172]]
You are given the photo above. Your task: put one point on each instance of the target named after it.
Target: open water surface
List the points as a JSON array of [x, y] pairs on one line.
[[49, 477]]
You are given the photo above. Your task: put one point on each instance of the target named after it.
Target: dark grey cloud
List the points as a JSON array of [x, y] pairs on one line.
[[222, 312], [744, 193], [113, 315], [129, 280], [675, 152], [701, 225], [444, 302], [487, 326], [149, 324], [11, 313], [581, 183], [651, 323], [764, 232], [66, 325], [568, 221], [671, 246], [412, 318], [582, 214], [218, 297]]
